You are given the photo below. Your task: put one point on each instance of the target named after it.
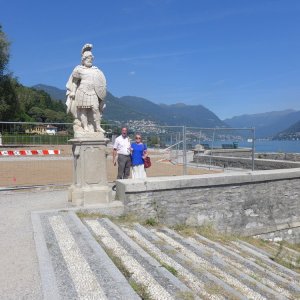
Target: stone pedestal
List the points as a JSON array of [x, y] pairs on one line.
[[90, 185]]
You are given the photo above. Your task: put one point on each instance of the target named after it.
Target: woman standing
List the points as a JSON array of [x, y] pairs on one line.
[[138, 154]]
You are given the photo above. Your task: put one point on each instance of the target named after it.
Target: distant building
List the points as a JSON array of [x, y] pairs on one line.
[[42, 129], [51, 129]]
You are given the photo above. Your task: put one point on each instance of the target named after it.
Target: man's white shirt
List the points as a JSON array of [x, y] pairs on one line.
[[122, 145]]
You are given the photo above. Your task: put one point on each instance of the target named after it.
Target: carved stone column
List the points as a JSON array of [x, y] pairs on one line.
[[90, 185]]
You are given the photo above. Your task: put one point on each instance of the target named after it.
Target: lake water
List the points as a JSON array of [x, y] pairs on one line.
[[278, 146], [269, 146]]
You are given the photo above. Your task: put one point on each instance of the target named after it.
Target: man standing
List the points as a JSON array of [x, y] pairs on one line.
[[122, 150]]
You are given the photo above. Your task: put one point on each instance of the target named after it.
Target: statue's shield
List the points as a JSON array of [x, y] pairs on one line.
[[100, 84]]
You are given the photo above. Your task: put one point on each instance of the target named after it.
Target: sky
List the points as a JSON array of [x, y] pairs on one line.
[[234, 57]]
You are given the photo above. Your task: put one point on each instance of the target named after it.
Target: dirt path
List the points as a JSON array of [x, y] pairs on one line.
[[58, 170]]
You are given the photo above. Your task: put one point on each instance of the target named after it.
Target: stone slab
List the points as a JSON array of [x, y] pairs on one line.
[[78, 266], [206, 180], [89, 195]]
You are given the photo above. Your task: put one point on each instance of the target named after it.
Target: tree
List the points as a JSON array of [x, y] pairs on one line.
[[9, 105], [37, 114], [4, 52]]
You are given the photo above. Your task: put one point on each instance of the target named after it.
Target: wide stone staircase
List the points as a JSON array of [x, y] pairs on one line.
[[85, 256]]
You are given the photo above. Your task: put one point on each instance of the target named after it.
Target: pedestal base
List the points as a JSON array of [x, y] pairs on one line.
[[90, 185], [84, 196]]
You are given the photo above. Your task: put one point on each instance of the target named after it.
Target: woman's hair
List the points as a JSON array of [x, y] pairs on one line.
[[138, 134]]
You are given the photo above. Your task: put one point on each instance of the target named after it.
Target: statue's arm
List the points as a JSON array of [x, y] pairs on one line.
[[73, 83], [73, 89]]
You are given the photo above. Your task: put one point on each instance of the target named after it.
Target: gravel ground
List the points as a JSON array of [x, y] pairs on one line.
[[19, 271]]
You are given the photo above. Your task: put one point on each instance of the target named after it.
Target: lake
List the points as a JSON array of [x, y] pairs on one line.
[[268, 146], [277, 146]]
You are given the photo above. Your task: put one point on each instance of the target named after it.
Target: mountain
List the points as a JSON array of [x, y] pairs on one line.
[[291, 133], [55, 93], [174, 114], [136, 108], [266, 124], [278, 124], [192, 115], [117, 110]]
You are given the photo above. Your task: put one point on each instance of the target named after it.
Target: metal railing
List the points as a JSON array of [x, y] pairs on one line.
[[174, 150], [225, 142]]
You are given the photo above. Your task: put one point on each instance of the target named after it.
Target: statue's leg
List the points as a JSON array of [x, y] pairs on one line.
[[82, 112], [97, 118], [89, 114]]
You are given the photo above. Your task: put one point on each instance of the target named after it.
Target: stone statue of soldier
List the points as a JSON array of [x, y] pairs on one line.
[[86, 91]]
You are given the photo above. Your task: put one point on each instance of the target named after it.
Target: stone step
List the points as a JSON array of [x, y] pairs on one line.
[[265, 276], [72, 264], [239, 280], [288, 255], [205, 284], [262, 257], [280, 251], [144, 270], [101, 258]]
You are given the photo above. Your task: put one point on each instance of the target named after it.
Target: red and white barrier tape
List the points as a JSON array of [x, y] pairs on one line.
[[28, 152]]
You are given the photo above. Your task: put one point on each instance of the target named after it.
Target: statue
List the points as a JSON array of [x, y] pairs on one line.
[[86, 91]]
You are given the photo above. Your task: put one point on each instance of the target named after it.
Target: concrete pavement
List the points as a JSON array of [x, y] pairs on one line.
[[52, 254], [19, 271]]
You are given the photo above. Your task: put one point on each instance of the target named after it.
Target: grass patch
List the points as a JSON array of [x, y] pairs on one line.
[[259, 262], [170, 268], [276, 252], [151, 222], [285, 260], [185, 230], [213, 289], [259, 243], [211, 233], [255, 277], [140, 290], [286, 264], [185, 295], [118, 263], [125, 219], [86, 215], [137, 287], [170, 251], [295, 247], [207, 231]]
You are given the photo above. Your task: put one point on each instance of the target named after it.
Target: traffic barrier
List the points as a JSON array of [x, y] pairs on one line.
[[28, 152]]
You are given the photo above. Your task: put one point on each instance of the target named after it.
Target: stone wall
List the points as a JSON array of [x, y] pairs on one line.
[[288, 234], [252, 203], [244, 162], [247, 152], [279, 156], [240, 152]]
